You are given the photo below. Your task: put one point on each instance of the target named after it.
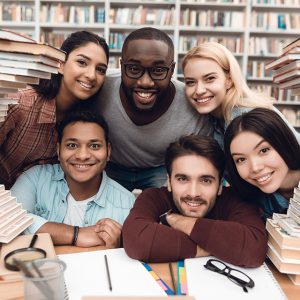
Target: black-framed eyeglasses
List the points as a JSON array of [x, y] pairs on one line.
[[236, 276], [136, 71]]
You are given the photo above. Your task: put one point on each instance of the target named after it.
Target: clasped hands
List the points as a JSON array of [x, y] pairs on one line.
[[106, 232], [185, 225]]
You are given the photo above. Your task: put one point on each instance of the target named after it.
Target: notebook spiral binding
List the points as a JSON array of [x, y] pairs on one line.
[[66, 295], [275, 281]]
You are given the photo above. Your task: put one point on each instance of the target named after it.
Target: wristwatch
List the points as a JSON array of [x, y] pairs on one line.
[[163, 217]]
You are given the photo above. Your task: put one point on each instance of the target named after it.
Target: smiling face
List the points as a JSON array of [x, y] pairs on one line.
[[83, 153], [194, 183], [83, 72], [143, 93], [205, 85], [258, 163]]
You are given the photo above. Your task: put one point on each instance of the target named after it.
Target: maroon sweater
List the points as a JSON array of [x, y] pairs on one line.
[[232, 231]]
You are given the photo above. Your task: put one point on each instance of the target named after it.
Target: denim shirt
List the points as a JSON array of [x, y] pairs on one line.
[[43, 191]]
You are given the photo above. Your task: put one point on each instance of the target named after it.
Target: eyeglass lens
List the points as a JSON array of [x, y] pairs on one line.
[[137, 71], [236, 276]]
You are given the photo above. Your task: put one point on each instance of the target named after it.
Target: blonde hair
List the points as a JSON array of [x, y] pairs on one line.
[[239, 94]]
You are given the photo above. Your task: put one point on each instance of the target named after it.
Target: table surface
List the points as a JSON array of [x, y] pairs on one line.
[[292, 291]]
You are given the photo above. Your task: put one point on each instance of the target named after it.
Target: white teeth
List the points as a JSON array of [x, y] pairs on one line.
[[85, 85], [144, 95], [79, 166], [264, 178], [194, 204], [203, 100]]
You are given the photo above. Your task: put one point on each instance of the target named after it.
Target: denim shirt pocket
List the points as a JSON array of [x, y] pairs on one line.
[[41, 211]]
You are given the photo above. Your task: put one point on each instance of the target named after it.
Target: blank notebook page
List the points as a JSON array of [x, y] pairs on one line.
[[204, 284]]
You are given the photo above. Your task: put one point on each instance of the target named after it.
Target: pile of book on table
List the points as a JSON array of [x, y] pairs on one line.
[[23, 61], [286, 76], [284, 239], [13, 218]]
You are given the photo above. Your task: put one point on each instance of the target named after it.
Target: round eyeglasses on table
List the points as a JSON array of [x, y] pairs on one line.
[[136, 71], [236, 276]]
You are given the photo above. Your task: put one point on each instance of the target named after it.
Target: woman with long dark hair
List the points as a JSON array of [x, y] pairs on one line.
[[263, 159], [28, 136]]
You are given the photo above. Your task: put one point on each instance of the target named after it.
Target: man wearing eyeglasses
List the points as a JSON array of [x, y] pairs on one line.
[[193, 216], [146, 110]]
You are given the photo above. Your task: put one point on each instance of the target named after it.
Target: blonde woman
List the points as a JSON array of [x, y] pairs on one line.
[[214, 85]]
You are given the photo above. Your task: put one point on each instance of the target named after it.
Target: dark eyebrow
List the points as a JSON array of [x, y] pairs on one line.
[[76, 140], [157, 62], [202, 176], [255, 147], [208, 176], [86, 57], [180, 175]]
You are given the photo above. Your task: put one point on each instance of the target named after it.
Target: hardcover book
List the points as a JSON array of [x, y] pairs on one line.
[[284, 265], [295, 65], [283, 60], [32, 48], [293, 83], [24, 72], [287, 76], [285, 252], [15, 36], [28, 65], [281, 236], [30, 58], [290, 46], [288, 224], [19, 78]]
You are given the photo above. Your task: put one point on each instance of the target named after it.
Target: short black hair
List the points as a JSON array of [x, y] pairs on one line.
[[79, 115], [200, 145], [149, 33]]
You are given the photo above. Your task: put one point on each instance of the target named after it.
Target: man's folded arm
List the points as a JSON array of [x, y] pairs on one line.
[[240, 240], [62, 234], [147, 240]]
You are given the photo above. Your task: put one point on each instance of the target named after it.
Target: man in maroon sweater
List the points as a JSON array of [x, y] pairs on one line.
[[200, 219]]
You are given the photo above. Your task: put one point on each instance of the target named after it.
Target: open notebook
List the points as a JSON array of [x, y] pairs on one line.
[[86, 275], [208, 285]]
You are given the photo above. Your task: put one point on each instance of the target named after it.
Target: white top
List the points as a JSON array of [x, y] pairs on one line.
[[76, 210]]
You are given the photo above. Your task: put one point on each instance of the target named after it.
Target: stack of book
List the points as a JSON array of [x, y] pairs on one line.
[[286, 68], [23, 61], [13, 219], [284, 239]]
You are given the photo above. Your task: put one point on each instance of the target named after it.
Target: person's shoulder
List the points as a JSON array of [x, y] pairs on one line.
[[155, 195], [26, 98], [179, 85], [228, 195], [239, 110], [51, 169]]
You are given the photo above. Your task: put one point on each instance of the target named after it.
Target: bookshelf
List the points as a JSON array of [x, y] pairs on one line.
[[254, 30]]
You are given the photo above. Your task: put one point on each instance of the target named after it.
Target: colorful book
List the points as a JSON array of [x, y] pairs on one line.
[[160, 282]]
